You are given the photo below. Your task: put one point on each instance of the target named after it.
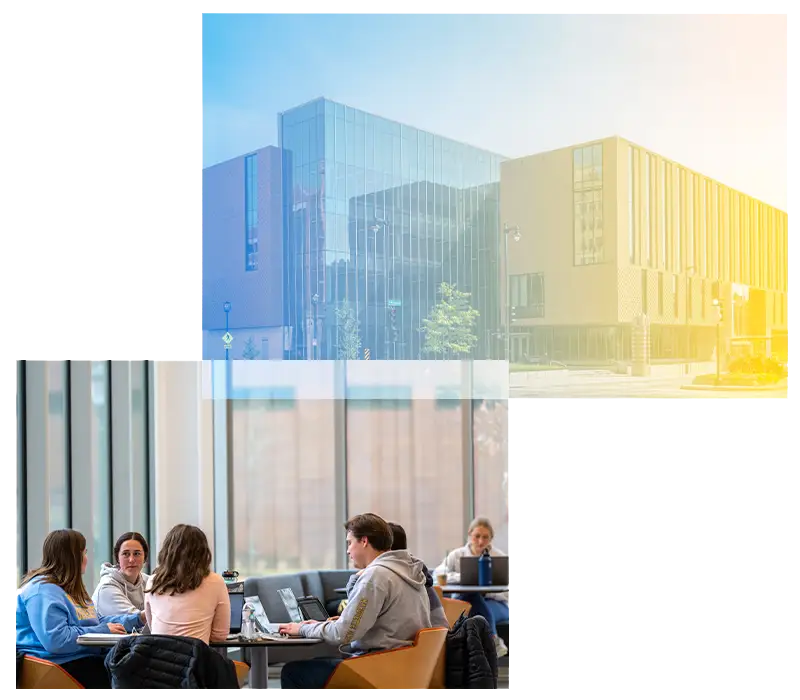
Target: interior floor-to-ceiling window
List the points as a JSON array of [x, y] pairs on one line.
[[405, 463], [291, 461], [83, 455], [302, 464], [490, 445], [283, 485]]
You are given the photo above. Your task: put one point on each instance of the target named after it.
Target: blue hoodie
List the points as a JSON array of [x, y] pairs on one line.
[[48, 624]]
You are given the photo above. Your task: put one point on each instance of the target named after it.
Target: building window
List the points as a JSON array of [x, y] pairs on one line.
[[689, 222], [677, 225], [527, 295], [703, 241], [648, 253], [689, 299], [631, 209], [733, 236], [675, 304], [663, 230], [251, 212], [588, 204], [660, 293], [644, 291], [702, 299]]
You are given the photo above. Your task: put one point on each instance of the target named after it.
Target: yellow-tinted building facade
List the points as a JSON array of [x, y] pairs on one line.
[[611, 231]]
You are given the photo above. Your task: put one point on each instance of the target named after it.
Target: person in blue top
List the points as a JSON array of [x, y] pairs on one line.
[[54, 609]]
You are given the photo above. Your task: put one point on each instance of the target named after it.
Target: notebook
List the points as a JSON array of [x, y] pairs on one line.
[[104, 637]]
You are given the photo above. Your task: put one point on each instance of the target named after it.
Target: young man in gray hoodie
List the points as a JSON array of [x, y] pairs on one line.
[[388, 604], [400, 541]]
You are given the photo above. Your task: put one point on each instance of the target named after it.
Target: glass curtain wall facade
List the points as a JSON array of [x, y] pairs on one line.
[[377, 215]]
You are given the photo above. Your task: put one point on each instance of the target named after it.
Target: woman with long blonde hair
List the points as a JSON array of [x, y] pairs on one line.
[[54, 609]]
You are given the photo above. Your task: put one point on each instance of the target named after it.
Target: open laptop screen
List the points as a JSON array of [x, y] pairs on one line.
[[290, 602], [237, 602], [312, 609]]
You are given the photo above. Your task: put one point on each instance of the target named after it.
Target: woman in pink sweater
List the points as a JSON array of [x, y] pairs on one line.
[[184, 597]]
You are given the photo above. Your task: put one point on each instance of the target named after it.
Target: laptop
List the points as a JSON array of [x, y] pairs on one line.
[[469, 571], [236, 595], [238, 599], [262, 621], [263, 626], [307, 607]]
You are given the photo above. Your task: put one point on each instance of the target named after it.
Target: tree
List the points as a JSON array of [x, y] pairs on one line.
[[449, 327], [348, 337], [250, 352]]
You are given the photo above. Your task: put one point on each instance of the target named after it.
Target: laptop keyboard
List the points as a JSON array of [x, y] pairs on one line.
[[260, 635]]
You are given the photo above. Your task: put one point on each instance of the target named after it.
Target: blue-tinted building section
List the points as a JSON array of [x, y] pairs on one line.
[[377, 214], [251, 211], [243, 256]]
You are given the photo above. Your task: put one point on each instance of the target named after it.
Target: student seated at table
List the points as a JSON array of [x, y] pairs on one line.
[[54, 609], [388, 605], [492, 606], [122, 584], [400, 542], [184, 597]]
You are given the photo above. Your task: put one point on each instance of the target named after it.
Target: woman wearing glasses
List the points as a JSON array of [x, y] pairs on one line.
[[122, 584]]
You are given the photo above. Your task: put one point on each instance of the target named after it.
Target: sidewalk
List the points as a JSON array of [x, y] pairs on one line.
[[782, 384]]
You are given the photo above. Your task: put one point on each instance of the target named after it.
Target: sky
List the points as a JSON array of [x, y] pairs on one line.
[[707, 91]]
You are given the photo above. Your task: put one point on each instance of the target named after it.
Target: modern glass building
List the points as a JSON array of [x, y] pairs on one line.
[[376, 215]]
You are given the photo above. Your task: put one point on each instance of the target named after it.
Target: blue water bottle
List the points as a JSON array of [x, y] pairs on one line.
[[485, 569]]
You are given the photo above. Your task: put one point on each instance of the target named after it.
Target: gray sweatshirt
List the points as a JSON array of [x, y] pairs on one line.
[[115, 595], [387, 607], [438, 618]]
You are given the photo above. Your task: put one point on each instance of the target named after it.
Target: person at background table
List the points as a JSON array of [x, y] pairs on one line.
[[184, 597], [400, 542], [122, 584], [492, 606], [54, 609]]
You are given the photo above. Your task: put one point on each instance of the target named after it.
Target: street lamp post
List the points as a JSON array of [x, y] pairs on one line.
[[509, 231], [226, 307]]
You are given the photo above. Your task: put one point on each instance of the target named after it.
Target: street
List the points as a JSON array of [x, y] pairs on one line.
[[604, 384]]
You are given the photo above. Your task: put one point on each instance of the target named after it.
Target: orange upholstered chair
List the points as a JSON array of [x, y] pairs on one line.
[[38, 673], [407, 667]]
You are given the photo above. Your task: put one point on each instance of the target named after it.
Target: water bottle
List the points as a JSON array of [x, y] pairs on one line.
[[248, 621], [485, 569]]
